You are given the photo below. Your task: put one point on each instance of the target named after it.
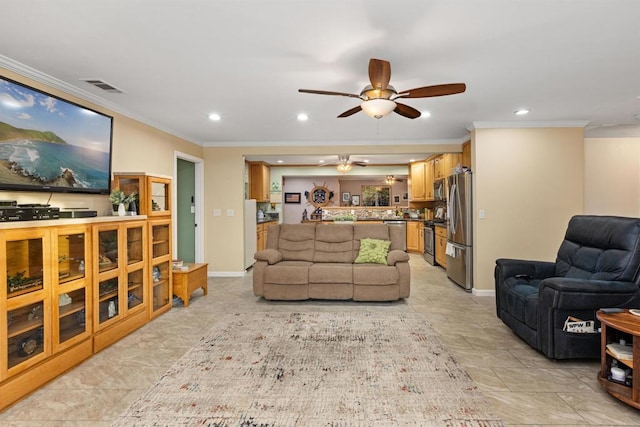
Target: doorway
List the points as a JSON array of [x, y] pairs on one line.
[[188, 207]]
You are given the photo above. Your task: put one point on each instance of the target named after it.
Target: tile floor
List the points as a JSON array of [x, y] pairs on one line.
[[524, 387]]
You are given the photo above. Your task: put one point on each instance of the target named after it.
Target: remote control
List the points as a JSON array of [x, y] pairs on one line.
[[611, 310]]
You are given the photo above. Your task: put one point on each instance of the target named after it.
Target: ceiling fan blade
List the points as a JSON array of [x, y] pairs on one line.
[[326, 92], [405, 110], [379, 73], [437, 90], [363, 164], [350, 112]]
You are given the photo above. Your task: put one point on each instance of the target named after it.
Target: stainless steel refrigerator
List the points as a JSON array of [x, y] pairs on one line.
[[459, 250]]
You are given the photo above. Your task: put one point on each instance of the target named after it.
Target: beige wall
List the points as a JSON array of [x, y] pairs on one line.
[[136, 148], [529, 182], [612, 176]]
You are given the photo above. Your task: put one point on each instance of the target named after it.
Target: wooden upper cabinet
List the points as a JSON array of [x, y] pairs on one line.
[[428, 179], [466, 154], [259, 181], [444, 164], [417, 172]]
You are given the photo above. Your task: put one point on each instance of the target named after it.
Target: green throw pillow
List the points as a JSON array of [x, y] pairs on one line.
[[373, 251]]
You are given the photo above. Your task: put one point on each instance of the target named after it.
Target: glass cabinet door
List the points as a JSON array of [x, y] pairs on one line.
[[160, 243], [136, 268], [24, 266], [108, 295], [25, 257], [107, 250], [25, 333], [161, 288], [70, 292], [160, 197]]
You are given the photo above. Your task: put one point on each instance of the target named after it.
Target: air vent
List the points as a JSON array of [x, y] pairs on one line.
[[103, 85]]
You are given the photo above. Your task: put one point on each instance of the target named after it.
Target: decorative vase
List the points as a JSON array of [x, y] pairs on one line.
[[121, 210]]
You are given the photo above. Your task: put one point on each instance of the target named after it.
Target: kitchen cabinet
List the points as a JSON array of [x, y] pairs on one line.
[[417, 171], [262, 231], [441, 246], [428, 179], [444, 164], [259, 182], [466, 154], [415, 236]]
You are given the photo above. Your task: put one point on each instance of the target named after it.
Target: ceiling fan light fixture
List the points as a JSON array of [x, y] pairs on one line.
[[343, 167], [378, 108]]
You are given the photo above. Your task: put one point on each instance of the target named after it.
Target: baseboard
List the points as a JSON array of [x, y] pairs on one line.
[[483, 292], [226, 273]]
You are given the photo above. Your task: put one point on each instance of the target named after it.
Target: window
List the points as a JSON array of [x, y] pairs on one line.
[[376, 195]]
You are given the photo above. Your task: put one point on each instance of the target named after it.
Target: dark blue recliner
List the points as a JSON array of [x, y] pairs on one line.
[[598, 265]]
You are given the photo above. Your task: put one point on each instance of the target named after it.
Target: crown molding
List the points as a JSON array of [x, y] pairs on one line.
[[447, 141], [529, 124], [40, 77]]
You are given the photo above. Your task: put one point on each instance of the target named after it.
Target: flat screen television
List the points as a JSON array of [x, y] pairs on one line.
[[50, 144]]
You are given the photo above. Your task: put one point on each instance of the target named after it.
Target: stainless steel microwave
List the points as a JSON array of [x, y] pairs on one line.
[[439, 191]]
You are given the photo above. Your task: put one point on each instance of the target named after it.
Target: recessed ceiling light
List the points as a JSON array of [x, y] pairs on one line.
[[521, 112], [214, 116], [280, 161], [366, 160], [425, 114], [320, 161], [412, 160], [302, 117]]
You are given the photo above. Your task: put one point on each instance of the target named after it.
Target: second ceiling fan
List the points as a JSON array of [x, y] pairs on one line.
[[379, 98]]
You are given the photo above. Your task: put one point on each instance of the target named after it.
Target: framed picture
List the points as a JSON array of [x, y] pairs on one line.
[[292, 198], [355, 200], [396, 200], [346, 197], [405, 196]]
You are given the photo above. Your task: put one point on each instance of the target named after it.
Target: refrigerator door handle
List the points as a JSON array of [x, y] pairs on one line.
[[451, 208]]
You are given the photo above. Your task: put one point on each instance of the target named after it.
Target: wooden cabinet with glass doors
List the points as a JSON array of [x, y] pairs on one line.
[[154, 192], [45, 322], [121, 301]]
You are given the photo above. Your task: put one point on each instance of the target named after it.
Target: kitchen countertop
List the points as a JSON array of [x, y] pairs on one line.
[[262, 221]]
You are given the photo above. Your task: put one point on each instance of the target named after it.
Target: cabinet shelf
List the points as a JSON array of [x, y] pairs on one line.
[[107, 295], [69, 309], [24, 326], [626, 362], [160, 283]]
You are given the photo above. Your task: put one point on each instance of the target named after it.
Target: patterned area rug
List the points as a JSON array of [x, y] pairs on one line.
[[315, 369]]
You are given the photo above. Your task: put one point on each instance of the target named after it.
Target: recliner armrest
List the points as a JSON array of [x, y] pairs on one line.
[[396, 255], [572, 285], [539, 270], [271, 256]]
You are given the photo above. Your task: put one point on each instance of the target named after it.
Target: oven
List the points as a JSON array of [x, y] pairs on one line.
[[429, 242]]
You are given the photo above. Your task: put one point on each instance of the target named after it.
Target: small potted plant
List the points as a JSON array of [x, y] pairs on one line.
[[118, 199]]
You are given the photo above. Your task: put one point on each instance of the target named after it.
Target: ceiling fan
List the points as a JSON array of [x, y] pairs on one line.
[[344, 164], [378, 98]]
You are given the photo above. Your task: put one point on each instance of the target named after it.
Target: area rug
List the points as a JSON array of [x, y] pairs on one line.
[[315, 369]]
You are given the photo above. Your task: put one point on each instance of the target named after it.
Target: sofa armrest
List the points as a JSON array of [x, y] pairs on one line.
[[271, 256], [396, 255], [570, 293]]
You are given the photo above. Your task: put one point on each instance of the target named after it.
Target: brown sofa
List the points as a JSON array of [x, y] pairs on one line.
[[304, 261]]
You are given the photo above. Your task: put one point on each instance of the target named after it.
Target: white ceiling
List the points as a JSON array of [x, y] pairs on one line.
[[179, 60]]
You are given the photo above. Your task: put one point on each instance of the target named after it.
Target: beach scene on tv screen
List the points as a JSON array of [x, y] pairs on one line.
[[48, 142]]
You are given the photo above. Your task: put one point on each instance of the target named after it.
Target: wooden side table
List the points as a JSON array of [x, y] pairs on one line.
[[187, 281], [618, 326]]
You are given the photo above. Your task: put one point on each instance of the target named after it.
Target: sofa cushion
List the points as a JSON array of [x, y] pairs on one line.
[[373, 251], [288, 273], [296, 242], [375, 275], [331, 273], [333, 243], [600, 248]]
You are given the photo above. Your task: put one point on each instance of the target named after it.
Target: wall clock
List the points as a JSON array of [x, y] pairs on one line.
[[319, 196]]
